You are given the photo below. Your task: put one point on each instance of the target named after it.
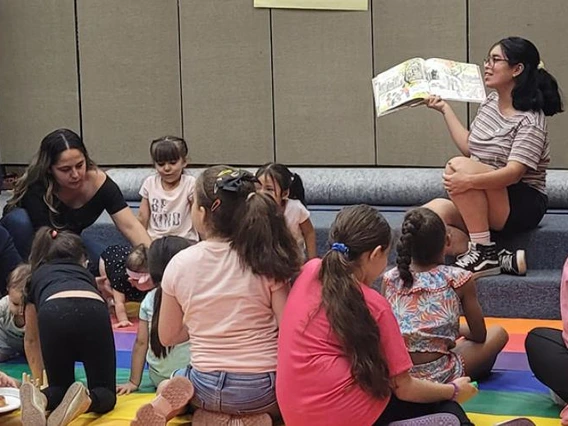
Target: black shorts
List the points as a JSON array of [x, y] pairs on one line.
[[527, 206]]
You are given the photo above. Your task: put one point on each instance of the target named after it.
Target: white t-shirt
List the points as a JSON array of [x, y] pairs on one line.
[[11, 336], [178, 357], [170, 211], [296, 213], [227, 309]]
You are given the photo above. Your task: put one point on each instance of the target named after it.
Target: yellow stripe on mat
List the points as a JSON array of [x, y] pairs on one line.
[[127, 405], [122, 414], [490, 420]]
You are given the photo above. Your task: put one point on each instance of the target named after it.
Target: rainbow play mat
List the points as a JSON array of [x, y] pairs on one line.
[[511, 391]]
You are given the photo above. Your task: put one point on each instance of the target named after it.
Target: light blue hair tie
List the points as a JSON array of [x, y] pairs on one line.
[[340, 247]]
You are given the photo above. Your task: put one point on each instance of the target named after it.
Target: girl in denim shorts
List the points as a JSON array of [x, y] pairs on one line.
[[226, 294]]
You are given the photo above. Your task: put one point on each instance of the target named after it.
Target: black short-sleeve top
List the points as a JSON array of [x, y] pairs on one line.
[[57, 276], [114, 258], [108, 197]]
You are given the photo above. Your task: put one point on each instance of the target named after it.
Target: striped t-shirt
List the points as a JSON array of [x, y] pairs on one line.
[[495, 140]]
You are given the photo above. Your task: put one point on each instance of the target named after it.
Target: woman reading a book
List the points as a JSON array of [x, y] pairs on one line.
[[499, 182], [63, 189]]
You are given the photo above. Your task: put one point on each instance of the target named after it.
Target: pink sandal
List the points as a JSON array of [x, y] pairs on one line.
[[175, 396], [209, 418]]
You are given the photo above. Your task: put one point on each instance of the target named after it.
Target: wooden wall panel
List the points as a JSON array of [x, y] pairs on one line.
[[322, 87], [38, 74], [227, 81], [405, 29], [130, 84]]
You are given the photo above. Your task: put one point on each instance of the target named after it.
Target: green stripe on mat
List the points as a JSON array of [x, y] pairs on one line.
[[512, 404], [122, 375]]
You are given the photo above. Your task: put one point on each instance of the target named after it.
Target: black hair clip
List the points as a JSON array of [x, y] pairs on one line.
[[231, 180]]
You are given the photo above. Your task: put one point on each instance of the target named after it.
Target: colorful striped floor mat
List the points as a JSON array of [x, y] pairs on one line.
[[511, 390]]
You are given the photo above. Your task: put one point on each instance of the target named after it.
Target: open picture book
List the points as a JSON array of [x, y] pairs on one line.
[[410, 82]]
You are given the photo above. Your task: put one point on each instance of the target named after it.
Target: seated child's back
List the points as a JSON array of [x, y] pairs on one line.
[[427, 298]]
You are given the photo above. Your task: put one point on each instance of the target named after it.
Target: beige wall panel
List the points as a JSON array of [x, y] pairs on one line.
[[227, 82], [38, 74], [405, 29], [130, 85], [323, 99], [542, 22]]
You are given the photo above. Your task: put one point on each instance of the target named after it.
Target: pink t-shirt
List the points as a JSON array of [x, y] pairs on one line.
[[170, 211], [227, 309], [564, 302], [314, 385]]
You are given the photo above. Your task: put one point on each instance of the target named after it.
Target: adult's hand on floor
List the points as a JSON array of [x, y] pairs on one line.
[[126, 388]]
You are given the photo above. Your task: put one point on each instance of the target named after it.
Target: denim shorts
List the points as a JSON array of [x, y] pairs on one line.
[[232, 393]]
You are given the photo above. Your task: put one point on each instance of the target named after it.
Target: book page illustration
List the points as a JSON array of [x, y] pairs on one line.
[[455, 80], [400, 86]]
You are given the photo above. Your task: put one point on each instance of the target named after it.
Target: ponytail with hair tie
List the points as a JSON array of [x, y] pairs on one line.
[[341, 248]]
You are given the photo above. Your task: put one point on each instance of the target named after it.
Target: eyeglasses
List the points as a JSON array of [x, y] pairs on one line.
[[491, 61]]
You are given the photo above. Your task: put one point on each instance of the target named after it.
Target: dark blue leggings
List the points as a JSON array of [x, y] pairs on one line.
[[20, 227], [9, 258]]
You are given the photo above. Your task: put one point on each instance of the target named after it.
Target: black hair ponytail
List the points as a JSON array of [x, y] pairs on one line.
[[535, 88]]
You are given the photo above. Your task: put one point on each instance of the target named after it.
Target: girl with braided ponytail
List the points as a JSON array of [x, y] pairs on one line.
[[341, 358], [427, 297]]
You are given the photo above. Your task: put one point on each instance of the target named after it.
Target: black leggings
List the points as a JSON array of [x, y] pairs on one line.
[[548, 359], [401, 410], [78, 329]]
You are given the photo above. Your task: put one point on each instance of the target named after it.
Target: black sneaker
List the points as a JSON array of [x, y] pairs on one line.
[[482, 260], [513, 263]]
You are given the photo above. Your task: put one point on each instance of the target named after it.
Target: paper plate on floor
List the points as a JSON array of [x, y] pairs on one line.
[[12, 397]]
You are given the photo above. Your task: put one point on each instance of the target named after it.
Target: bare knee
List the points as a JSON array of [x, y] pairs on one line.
[[498, 336], [457, 164], [443, 207]]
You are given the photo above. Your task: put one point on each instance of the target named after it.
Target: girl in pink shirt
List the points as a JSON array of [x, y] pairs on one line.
[[167, 195], [287, 189], [341, 357], [226, 294]]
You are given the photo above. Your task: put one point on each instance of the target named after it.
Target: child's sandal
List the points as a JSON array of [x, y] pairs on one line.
[[442, 419], [175, 395], [210, 418]]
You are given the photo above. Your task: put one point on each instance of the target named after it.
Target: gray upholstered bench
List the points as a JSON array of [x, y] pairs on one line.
[[393, 191]]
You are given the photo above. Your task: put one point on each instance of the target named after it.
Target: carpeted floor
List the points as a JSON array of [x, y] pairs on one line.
[[511, 391]]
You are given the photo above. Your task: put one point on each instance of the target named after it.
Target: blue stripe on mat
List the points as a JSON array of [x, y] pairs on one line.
[[512, 381]]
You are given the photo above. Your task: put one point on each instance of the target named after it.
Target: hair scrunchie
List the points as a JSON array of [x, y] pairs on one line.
[[340, 247]]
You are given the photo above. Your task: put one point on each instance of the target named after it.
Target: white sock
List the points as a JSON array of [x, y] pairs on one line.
[[483, 238]]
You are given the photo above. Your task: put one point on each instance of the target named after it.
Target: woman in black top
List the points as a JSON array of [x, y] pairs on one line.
[[62, 188], [66, 321]]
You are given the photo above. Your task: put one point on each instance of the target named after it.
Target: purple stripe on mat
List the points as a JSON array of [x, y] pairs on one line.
[[124, 341], [514, 361]]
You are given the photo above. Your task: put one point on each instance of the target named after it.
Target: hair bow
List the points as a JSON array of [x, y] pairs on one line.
[[231, 180]]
